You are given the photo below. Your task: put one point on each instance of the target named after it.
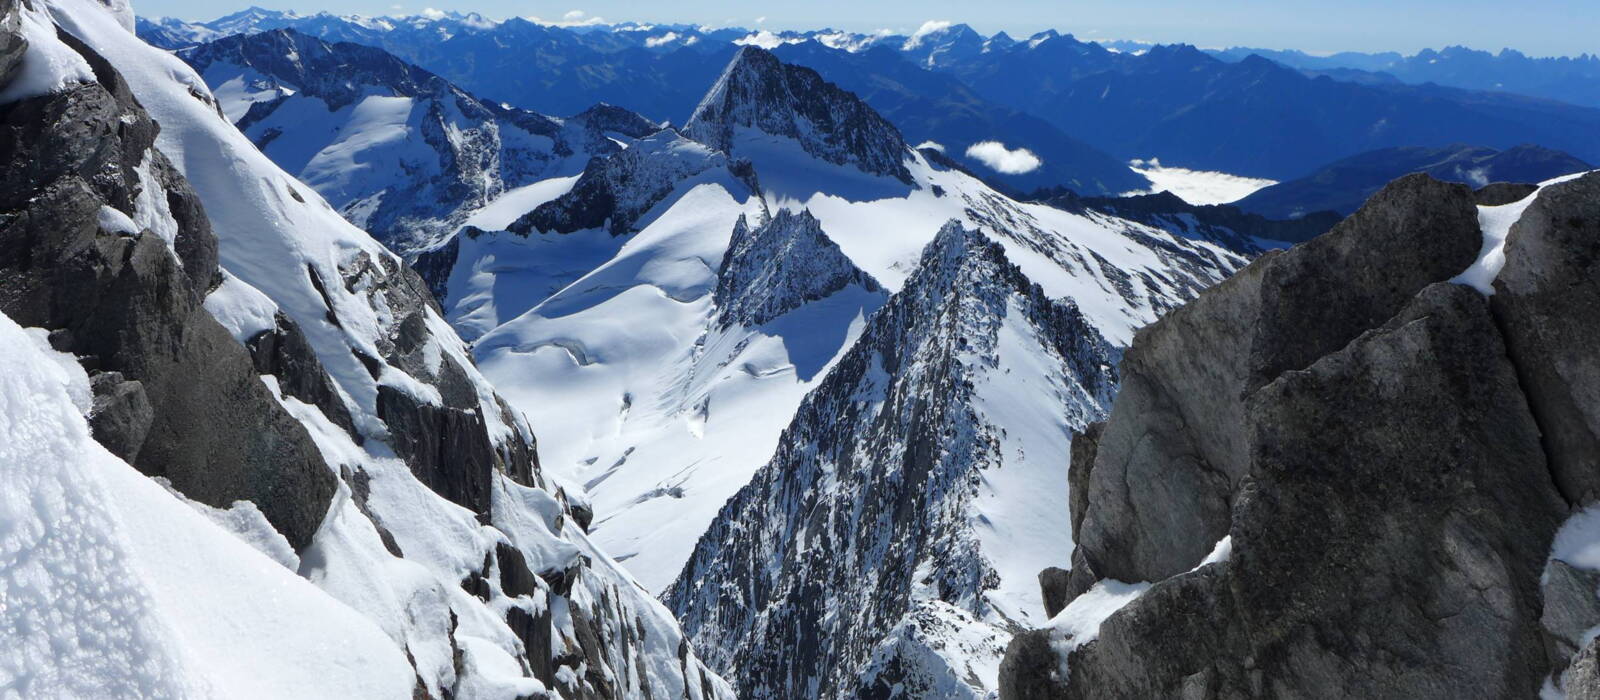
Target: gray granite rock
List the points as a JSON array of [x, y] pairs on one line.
[[1174, 450], [1547, 299]]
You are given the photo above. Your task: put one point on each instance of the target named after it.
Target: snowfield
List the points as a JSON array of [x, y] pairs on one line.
[[116, 587]]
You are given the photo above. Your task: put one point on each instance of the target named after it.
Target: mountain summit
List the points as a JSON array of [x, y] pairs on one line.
[[757, 91]]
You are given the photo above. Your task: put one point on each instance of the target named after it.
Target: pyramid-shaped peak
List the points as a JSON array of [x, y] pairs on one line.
[[761, 93]]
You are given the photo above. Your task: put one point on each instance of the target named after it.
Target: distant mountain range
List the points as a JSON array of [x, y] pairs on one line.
[[1080, 108], [1342, 186], [1574, 79]]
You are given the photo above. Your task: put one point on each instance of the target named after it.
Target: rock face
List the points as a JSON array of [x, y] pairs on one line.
[[1548, 298], [1186, 375], [1379, 481], [779, 266], [346, 102], [105, 244], [882, 471], [617, 191], [759, 92]]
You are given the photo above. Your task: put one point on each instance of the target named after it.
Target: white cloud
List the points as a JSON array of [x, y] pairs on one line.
[[1004, 160], [1196, 186], [766, 40], [655, 41], [431, 13], [935, 145], [929, 27], [573, 18], [761, 20]]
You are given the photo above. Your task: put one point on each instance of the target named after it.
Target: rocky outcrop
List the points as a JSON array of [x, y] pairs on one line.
[[757, 91], [12, 43], [104, 243], [881, 471], [615, 192], [283, 351], [779, 266], [1186, 375], [1548, 300], [1389, 475]]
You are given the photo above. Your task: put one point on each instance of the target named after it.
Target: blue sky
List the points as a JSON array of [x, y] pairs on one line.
[[1537, 27]]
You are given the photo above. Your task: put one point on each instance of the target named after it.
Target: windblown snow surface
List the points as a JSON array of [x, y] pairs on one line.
[[113, 586]]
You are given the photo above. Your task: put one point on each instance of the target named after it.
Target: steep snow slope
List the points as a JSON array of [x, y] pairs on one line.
[[660, 408], [439, 530], [116, 587], [397, 150]]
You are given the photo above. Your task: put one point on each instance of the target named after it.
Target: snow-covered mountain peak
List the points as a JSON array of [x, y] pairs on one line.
[[396, 149], [780, 265], [926, 457], [761, 93]]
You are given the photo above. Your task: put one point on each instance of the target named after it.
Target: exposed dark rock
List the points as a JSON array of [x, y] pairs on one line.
[[447, 449], [435, 264], [535, 633], [1084, 446], [1571, 608], [1547, 300], [283, 351], [1161, 487], [562, 580], [582, 512], [615, 192], [121, 416], [1055, 585], [12, 44], [1374, 548], [132, 303], [360, 491], [1031, 668], [779, 266], [515, 578], [1501, 193]]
